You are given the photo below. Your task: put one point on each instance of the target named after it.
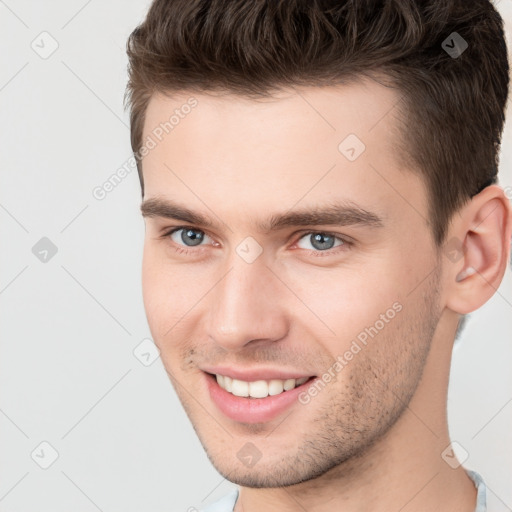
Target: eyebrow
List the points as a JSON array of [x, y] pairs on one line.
[[337, 213]]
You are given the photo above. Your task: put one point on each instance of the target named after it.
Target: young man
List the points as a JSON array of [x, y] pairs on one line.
[[319, 191]]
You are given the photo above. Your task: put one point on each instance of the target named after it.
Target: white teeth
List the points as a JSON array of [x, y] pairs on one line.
[[258, 388], [289, 384], [275, 387], [240, 388]]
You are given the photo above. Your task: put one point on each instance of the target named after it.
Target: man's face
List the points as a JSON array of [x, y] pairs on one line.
[[352, 297]]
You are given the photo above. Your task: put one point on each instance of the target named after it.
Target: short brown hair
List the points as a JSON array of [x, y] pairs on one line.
[[453, 107]]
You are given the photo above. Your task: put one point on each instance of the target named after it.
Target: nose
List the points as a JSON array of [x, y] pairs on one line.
[[248, 306]]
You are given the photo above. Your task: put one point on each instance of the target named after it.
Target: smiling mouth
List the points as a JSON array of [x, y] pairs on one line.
[[258, 388]]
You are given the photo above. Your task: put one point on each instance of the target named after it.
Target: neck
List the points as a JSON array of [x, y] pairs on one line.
[[403, 471]]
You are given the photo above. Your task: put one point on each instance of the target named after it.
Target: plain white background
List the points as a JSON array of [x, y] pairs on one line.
[[69, 377]]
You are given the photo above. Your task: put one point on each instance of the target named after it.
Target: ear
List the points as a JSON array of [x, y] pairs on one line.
[[477, 250]]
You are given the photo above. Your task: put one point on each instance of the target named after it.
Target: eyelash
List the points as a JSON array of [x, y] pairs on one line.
[[346, 244]]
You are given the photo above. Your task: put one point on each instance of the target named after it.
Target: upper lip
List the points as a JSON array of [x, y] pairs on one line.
[[254, 374]]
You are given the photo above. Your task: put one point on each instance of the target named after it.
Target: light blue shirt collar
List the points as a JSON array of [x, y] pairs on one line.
[[227, 503]]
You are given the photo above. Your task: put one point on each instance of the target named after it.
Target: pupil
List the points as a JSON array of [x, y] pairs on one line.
[[321, 241], [191, 237]]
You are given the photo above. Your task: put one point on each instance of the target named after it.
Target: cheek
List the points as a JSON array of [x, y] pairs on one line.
[[152, 287], [345, 301], [161, 302], [171, 295]]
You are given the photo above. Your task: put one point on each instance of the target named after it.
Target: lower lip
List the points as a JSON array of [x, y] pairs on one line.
[[252, 410]]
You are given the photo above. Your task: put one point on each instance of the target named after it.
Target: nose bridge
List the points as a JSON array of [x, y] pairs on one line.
[[246, 305]]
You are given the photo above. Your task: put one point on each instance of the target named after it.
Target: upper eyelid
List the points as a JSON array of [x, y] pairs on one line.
[[344, 238], [171, 231], [323, 232]]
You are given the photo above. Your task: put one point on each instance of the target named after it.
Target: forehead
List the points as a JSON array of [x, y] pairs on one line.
[[307, 144], [364, 107]]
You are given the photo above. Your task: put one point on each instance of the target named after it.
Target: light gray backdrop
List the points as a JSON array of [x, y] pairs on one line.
[[78, 395]]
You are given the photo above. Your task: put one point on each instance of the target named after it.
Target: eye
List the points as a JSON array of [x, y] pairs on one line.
[[189, 237], [320, 241]]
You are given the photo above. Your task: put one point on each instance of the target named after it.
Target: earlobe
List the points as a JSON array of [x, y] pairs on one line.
[[484, 230]]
